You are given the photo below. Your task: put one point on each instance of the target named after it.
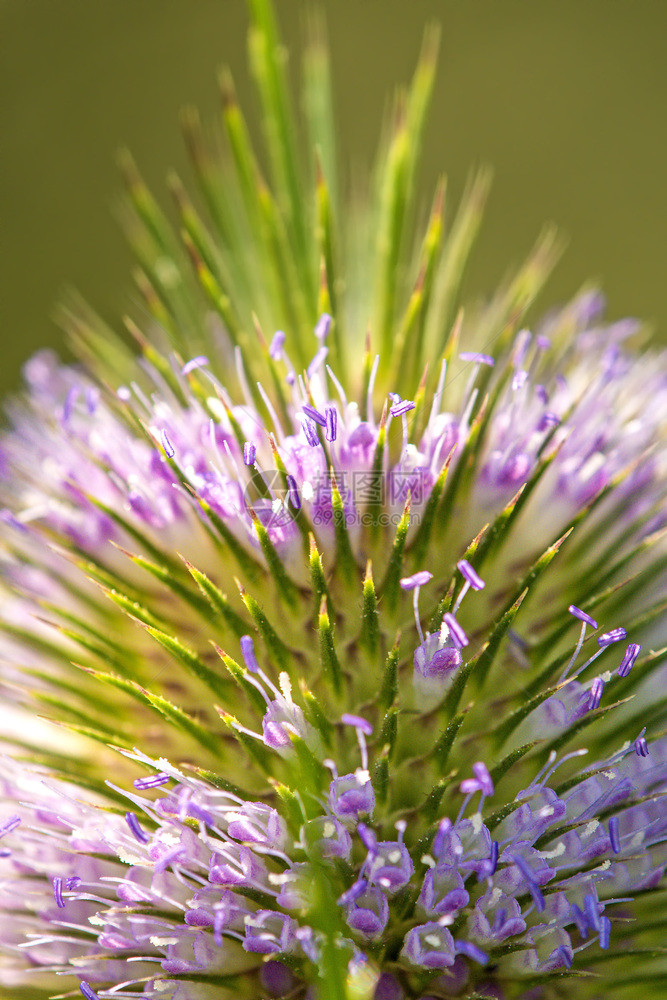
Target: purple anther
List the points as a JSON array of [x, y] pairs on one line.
[[357, 889], [404, 406], [477, 358], [92, 399], [136, 829], [471, 950], [293, 489], [493, 858], [323, 326], [167, 445], [9, 825], [480, 770], [591, 912], [332, 423], [358, 722], [416, 580], [614, 836], [249, 453], [6, 517], [641, 747], [580, 920], [248, 653], [58, 892], [595, 693], [519, 379], [605, 932], [151, 781], [582, 616], [192, 365], [73, 882], [318, 361], [367, 837], [314, 414], [533, 887], [70, 400], [480, 783], [548, 420], [87, 992], [456, 632], [616, 635], [442, 836], [469, 575], [565, 954], [276, 345], [311, 433], [629, 657]]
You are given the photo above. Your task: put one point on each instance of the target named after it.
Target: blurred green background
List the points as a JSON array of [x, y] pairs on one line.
[[565, 98]]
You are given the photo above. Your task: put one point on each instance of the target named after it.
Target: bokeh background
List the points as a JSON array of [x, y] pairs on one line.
[[567, 99]]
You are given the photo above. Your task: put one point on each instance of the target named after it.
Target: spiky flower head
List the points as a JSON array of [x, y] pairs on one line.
[[345, 602]]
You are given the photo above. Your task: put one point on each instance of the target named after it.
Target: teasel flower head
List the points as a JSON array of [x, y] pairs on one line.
[[338, 604]]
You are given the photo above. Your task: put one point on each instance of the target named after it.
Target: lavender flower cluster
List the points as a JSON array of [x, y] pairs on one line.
[[70, 447], [200, 881]]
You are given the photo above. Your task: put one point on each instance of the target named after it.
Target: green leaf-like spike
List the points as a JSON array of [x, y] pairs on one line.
[[240, 675], [419, 546], [370, 626], [504, 730], [191, 661], [165, 575], [315, 714], [503, 766], [389, 688], [396, 187], [163, 560], [314, 775], [538, 568], [389, 732], [246, 168], [284, 587], [443, 330], [390, 588], [381, 775], [443, 747], [432, 805], [218, 601], [411, 331], [291, 803], [132, 608], [214, 291], [328, 656], [253, 748], [278, 120], [277, 648], [247, 565], [489, 650], [317, 577], [346, 566], [329, 269]]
